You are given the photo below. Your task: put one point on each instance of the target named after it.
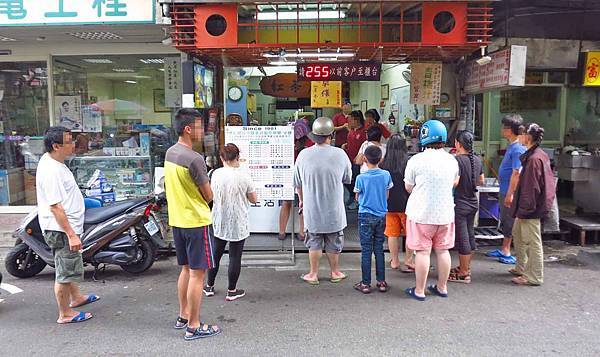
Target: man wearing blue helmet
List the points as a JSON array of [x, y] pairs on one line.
[[430, 178]]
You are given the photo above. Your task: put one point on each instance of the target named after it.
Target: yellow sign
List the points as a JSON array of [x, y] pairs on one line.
[[592, 69], [326, 94]]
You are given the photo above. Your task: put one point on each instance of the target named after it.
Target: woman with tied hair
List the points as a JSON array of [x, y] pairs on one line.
[[466, 204], [233, 192], [394, 162], [372, 118], [532, 201]]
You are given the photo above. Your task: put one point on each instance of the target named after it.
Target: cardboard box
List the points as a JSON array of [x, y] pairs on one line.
[[30, 187], [16, 186]]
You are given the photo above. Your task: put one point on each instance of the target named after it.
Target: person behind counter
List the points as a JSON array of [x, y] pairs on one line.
[[340, 121], [356, 137], [532, 201], [373, 139], [372, 117], [466, 204]]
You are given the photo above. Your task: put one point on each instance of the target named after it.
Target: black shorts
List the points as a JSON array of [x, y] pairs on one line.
[[194, 247]]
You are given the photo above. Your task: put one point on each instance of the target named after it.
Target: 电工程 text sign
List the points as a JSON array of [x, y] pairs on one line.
[[75, 12]]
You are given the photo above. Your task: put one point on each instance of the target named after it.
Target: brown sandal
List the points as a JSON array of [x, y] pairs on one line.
[[522, 281], [363, 288], [456, 277]]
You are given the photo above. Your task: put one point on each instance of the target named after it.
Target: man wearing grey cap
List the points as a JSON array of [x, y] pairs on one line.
[[320, 174]]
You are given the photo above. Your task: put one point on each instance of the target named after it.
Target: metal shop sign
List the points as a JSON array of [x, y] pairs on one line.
[[504, 71], [75, 12], [339, 71], [592, 69]]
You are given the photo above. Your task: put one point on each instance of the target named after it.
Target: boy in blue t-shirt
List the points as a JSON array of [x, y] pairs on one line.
[[372, 191]]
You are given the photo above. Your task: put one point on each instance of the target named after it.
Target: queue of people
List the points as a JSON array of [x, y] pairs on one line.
[[429, 198]]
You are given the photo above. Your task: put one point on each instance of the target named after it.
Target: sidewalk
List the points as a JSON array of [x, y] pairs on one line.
[[8, 223]]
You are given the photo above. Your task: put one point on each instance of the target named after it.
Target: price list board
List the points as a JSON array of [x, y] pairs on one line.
[[267, 152]]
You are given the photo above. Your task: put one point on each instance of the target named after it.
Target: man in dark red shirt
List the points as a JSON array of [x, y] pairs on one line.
[[356, 137], [340, 121]]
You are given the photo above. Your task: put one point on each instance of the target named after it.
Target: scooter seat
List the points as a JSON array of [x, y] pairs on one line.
[[99, 215]]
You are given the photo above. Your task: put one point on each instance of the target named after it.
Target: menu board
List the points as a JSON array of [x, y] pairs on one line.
[[426, 83], [267, 152]]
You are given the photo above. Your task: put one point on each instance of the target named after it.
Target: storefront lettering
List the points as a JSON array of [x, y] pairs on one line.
[[13, 9], [116, 7], [61, 11]]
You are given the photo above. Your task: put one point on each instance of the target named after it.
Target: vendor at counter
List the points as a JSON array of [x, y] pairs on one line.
[[372, 117], [340, 121]]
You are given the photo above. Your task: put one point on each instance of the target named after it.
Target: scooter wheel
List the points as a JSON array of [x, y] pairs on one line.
[[15, 260], [148, 251]]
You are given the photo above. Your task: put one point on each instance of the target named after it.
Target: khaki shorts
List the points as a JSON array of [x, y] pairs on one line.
[[68, 265], [332, 242]]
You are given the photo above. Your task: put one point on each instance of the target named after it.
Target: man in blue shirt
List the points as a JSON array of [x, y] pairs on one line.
[[372, 191], [509, 179]]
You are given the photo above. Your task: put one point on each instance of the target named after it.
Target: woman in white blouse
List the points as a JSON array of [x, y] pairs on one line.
[[233, 192]]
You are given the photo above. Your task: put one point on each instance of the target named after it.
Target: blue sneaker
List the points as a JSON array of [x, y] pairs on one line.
[[507, 259], [494, 254]]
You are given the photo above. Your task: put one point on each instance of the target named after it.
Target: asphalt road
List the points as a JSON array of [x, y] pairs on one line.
[[281, 316]]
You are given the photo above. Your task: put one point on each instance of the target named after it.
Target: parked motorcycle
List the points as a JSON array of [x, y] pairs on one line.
[[127, 233]]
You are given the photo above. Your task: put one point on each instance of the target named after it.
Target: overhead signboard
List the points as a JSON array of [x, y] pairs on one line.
[[592, 69], [504, 71], [284, 85], [325, 94], [339, 71], [76, 12], [426, 83]]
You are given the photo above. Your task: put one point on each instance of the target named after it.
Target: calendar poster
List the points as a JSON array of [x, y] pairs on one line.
[[268, 154]]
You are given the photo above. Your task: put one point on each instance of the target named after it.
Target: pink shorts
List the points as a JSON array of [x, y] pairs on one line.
[[427, 236]]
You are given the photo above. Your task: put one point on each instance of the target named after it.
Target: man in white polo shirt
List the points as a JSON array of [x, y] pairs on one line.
[[61, 215]]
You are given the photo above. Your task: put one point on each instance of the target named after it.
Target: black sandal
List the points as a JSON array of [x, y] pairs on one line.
[[363, 288], [198, 332], [180, 323]]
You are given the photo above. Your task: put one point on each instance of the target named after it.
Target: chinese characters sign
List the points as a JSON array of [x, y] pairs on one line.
[[71, 12], [507, 69], [326, 94], [426, 83], [342, 71], [592, 69], [267, 152], [173, 90], [285, 85]]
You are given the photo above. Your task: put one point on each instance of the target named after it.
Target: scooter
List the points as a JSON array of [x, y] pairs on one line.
[[127, 233]]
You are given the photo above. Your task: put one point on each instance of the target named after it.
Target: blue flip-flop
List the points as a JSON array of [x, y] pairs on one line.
[[411, 292], [507, 259], [434, 290], [79, 318], [494, 254], [90, 299]]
